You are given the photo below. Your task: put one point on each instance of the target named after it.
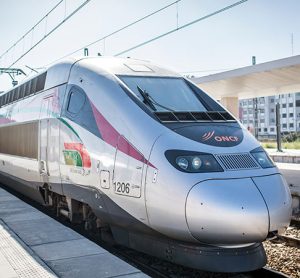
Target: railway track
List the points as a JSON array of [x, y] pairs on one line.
[[152, 266], [296, 222], [291, 237], [269, 273], [289, 240]]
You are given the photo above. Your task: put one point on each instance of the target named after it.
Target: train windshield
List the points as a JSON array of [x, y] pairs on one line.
[[163, 94]]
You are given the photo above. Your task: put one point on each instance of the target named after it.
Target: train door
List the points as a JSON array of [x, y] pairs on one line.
[[49, 146], [44, 139], [127, 179]]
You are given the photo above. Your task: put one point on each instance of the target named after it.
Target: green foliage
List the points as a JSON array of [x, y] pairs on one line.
[[291, 145], [269, 145], [289, 141], [285, 145], [291, 137]]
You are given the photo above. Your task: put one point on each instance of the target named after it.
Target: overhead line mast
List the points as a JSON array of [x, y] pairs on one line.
[[12, 72]]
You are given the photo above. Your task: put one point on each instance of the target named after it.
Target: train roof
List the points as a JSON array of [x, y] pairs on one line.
[[114, 65], [126, 66], [58, 74]]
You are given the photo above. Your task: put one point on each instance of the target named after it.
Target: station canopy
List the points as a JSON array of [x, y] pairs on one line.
[[276, 77]]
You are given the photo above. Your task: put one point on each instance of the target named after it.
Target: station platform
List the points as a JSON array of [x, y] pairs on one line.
[[286, 156], [33, 244], [291, 172]]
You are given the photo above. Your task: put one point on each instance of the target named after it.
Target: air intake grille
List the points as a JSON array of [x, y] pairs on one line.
[[237, 161], [209, 116]]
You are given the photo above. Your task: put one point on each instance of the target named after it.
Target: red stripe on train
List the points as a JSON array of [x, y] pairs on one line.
[[111, 136]]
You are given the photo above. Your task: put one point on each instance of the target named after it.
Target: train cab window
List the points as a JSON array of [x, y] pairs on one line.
[[164, 93], [76, 101], [170, 94]]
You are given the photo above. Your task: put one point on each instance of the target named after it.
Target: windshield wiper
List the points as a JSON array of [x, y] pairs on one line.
[[150, 101], [146, 98]]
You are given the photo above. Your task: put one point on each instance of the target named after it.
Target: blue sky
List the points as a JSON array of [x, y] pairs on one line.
[[225, 41]]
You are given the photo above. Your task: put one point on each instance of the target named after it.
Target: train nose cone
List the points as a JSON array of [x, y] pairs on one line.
[[228, 211], [278, 199]]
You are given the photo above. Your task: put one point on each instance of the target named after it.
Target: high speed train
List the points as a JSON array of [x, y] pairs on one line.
[[138, 151]]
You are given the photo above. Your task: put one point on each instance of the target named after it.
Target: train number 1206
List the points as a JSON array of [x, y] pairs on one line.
[[122, 188]]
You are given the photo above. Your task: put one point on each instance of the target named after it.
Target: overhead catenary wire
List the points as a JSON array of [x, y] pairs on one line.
[[31, 29], [50, 32], [117, 31], [153, 39], [182, 27]]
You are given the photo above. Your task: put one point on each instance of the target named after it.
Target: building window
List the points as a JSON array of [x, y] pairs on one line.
[[272, 120], [272, 129], [284, 105], [291, 115], [265, 130], [259, 129], [272, 110], [291, 104], [283, 125], [291, 125], [272, 100], [298, 103], [284, 115]]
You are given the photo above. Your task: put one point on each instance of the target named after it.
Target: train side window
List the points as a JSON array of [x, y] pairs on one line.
[[22, 91], [79, 110], [76, 101], [27, 88]]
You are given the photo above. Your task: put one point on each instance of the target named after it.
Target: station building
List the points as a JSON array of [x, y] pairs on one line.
[[266, 114]]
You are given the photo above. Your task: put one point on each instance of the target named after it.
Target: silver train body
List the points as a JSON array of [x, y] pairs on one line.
[[190, 186]]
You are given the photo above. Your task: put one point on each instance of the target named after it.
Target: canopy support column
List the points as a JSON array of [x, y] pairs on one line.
[[232, 104]]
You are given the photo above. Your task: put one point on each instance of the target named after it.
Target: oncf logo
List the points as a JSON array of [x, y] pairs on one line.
[[226, 138], [207, 135], [219, 138]]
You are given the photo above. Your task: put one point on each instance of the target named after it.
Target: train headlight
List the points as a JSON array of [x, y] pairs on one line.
[[262, 158], [193, 162], [196, 163], [182, 162]]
